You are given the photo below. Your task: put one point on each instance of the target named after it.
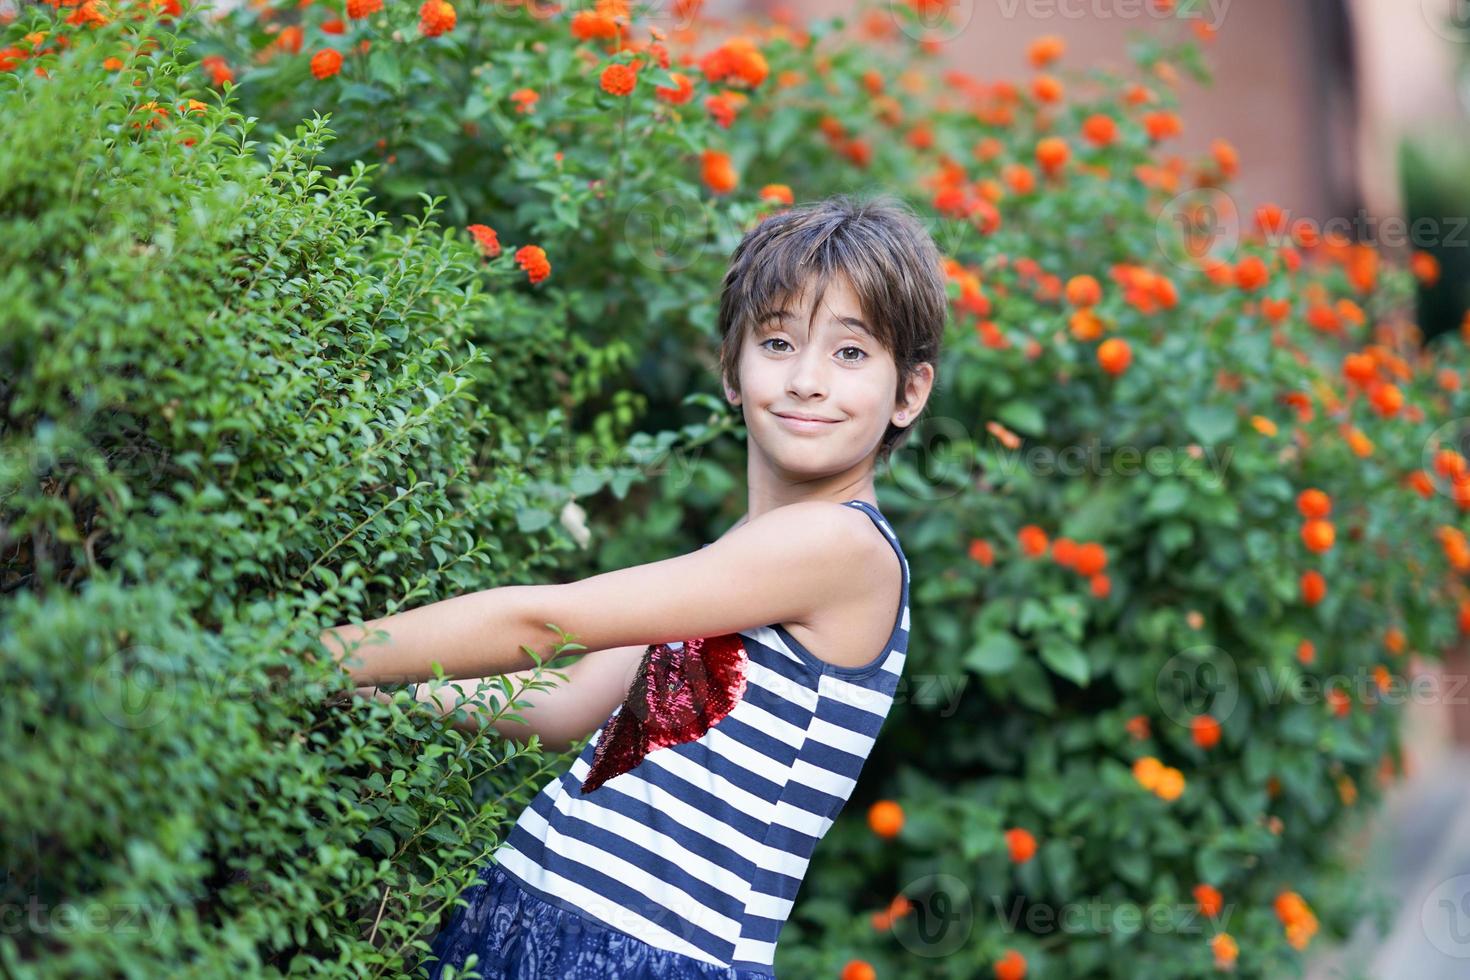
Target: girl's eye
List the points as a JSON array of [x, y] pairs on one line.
[[853, 360]]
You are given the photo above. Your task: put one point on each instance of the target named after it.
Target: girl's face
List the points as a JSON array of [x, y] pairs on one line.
[[831, 371]]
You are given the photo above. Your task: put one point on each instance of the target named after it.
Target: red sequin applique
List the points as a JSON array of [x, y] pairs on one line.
[[680, 691]]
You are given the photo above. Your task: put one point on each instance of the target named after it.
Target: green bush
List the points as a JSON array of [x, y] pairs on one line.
[[240, 405]]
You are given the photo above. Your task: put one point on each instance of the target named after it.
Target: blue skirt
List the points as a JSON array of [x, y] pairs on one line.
[[518, 936]]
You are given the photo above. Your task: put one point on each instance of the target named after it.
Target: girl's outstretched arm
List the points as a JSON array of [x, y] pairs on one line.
[[784, 566]]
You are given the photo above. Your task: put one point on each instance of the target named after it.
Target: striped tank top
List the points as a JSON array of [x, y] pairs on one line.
[[700, 848]]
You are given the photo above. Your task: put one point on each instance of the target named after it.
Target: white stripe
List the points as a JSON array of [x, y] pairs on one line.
[[802, 695], [842, 739], [867, 699], [618, 917], [768, 907], [751, 951], [802, 821], [824, 780]]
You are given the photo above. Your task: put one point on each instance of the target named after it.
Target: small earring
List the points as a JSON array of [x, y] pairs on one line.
[[900, 416]]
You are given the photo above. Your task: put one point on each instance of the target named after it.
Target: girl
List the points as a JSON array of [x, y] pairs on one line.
[[735, 691]]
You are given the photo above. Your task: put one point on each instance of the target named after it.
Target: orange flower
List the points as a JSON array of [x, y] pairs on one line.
[[1033, 541], [1162, 124], [588, 25], [1085, 325], [525, 99], [1007, 438], [1083, 291], [1018, 178], [858, 970], [779, 193], [1138, 727], [290, 38], [1210, 900], [1339, 702], [885, 818], [681, 93], [1251, 273], [1011, 966], [1052, 154], [1206, 731], [486, 239], [359, 9], [982, 552], [1045, 49], [1425, 267], [1047, 89], [1263, 425], [1114, 355], [1100, 586], [1090, 559], [1313, 503], [1306, 651], [1317, 535], [1226, 157], [718, 173], [333, 26], [436, 17], [1021, 844], [532, 258], [1147, 771], [1313, 587], [1099, 130], [1064, 552], [619, 79], [1393, 640], [738, 60], [219, 70], [1225, 950], [326, 63]]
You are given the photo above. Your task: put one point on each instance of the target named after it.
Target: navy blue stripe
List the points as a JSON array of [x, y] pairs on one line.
[[851, 717]]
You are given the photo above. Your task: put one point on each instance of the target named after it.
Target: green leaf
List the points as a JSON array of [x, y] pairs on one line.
[[996, 653], [1023, 417], [1210, 424], [1168, 497], [1065, 659], [1032, 687]]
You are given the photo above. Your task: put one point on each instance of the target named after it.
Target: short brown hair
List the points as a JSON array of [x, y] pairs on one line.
[[885, 253]]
